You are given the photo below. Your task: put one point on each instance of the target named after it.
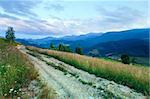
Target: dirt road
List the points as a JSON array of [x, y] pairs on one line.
[[72, 83]]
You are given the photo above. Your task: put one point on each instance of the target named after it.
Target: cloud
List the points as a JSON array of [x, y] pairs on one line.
[[122, 14], [122, 18], [18, 7], [118, 18], [40, 27], [7, 16]]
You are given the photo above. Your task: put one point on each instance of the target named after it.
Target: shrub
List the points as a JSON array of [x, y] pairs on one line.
[[78, 50], [52, 46], [125, 59], [65, 48]]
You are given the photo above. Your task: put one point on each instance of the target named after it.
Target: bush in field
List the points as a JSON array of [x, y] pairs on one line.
[[52, 46], [65, 48], [78, 50], [125, 59], [10, 34]]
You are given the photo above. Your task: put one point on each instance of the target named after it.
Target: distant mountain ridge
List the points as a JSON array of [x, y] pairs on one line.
[[104, 42], [131, 47]]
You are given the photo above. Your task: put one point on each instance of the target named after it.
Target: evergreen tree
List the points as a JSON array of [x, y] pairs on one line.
[[52, 46], [78, 50], [10, 34], [65, 48], [61, 47]]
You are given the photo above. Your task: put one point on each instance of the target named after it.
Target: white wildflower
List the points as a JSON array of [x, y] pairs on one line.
[[5, 94], [10, 91], [20, 89], [18, 98], [15, 91]]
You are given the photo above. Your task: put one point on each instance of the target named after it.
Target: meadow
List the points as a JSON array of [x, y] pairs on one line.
[[16, 71], [136, 77]]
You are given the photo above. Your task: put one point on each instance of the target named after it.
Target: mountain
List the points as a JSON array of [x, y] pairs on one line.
[[119, 42], [131, 47], [114, 36], [81, 37]]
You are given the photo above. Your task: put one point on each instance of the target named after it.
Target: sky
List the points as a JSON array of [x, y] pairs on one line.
[[42, 18]]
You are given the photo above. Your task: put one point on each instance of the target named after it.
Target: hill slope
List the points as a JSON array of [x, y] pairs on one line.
[[16, 71], [132, 47]]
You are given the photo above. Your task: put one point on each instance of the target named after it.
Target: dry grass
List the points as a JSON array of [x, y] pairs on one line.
[[47, 93], [133, 76]]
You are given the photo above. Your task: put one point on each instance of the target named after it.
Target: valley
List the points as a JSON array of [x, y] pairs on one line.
[[134, 43]]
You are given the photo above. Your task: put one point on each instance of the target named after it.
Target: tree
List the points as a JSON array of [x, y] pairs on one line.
[[125, 59], [10, 34], [61, 47], [65, 48], [52, 46], [78, 50]]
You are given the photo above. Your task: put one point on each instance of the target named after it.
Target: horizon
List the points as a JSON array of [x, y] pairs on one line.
[[3, 36], [66, 18]]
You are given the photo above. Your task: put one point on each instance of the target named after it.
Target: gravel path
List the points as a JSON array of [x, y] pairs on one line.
[[72, 83]]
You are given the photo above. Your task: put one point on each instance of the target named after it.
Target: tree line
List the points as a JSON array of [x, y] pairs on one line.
[[66, 48]]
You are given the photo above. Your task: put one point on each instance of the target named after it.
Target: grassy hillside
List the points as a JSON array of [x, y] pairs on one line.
[[136, 77], [15, 70]]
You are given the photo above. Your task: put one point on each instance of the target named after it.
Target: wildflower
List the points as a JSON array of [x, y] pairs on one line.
[[10, 91], [22, 93], [18, 98], [15, 91], [5, 94], [20, 89]]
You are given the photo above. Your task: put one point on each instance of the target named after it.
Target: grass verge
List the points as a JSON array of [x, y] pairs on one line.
[[15, 70]]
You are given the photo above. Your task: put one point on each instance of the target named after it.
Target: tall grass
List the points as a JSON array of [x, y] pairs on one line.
[[15, 69], [133, 76]]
